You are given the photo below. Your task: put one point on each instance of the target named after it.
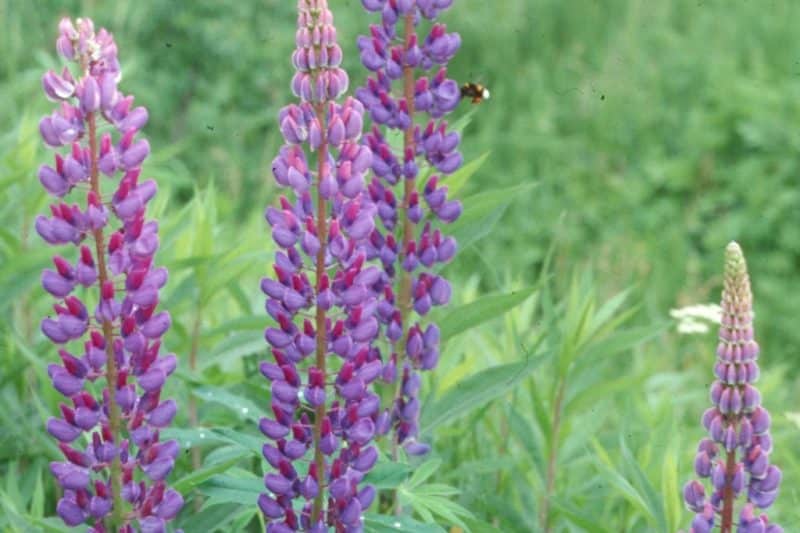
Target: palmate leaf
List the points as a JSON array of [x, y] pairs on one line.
[[423, 472], [434, 499], [387, 474]]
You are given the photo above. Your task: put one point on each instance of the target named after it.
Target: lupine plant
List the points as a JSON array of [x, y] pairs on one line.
[[115, 466], [410, 93], [735, 456], [324, 299]]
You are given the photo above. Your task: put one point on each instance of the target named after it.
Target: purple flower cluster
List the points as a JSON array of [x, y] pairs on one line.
[[324, 300], [105, 439], [736, 422], [409, 91]]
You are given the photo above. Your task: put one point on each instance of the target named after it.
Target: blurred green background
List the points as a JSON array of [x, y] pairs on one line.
[[654, 132]]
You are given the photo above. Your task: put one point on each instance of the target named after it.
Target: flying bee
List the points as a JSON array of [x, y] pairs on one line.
[[477, 92]]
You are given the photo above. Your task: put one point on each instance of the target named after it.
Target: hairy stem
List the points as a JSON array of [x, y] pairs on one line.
[[552, 459], [322, 341], [727, 494], [114, 414]]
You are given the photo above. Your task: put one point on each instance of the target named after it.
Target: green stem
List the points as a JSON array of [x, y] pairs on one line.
[[552, 458], [197, 457]]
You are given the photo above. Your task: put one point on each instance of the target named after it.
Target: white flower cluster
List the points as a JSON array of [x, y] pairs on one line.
[[696, 319]]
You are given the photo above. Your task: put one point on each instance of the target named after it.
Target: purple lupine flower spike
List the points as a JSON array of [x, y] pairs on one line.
[[410, 91], [323, 298], [737, 423], [115, 483]]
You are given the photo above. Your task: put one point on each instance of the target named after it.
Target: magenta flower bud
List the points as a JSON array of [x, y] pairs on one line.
[[133, 156], [162, 415], [760, 420], [703, 521], [62, 430], [702, 464], [89, 95], [69, 476], [695, 496], [58, 87], [70, 512]]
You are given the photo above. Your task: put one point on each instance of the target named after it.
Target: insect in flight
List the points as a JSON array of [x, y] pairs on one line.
[[475, 91]]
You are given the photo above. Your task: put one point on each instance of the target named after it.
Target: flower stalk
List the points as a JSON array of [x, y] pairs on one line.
[[323, 299], [738, 424], [322, 235], [409, 85], [122, 337]]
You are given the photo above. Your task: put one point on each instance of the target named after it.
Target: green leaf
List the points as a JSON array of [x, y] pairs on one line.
[[37, 498], [189, 438], [235, 346], [429, 500], [467, 316], [476, 391], [459, 178], [378, 523], [620, 341], [211, 517], [670, 488], [574, 514], [456, 181], [242, 406], [187, 483], [482, 211], [246, 441], [654, 504], [423, 472], [638, 491], [387, 474], [530, 440], [242, 488]]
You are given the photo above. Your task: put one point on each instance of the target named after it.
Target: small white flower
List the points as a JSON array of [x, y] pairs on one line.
[[696, 319], [690, 326]]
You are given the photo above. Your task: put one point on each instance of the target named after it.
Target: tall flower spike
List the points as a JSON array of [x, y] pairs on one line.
[[323, 299], [737, 423], [116, 481], [410, 91]]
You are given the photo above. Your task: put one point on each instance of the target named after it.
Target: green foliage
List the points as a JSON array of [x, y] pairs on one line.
[[633, 147]]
